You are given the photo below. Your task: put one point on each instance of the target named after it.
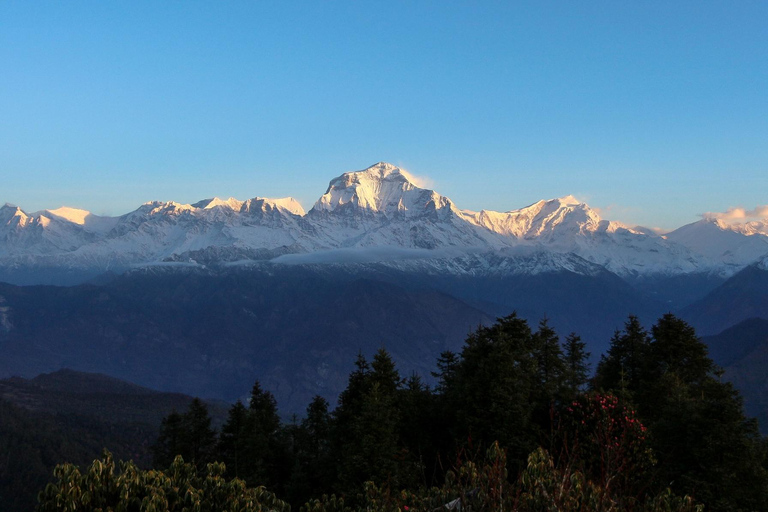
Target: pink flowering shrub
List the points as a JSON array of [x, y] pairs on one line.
[[604, 439]]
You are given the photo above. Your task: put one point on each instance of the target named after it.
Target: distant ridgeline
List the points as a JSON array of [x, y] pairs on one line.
[[513, 423]]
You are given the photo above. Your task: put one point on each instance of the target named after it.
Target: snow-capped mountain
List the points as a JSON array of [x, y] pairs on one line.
[[382, 207], [566, 225], [734, 245], [382, 188], [370, 210]]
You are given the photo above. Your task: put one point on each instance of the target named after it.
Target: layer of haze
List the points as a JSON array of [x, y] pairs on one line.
[[654, 112]]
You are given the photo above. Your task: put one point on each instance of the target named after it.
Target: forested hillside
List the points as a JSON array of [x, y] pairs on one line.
[[71, 416]]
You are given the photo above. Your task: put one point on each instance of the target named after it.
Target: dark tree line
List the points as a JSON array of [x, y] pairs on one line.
[[656, 415], [704, 444]]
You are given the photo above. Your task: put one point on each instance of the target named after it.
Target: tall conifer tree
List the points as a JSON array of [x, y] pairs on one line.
[[624, 368], [551, 365], [170, 442], [576, 365], [492, 387], [233, 440], [200, 437]]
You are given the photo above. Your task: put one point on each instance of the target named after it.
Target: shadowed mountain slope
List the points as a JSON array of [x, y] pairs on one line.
[[742, 351], [743, 296], [296, 328]]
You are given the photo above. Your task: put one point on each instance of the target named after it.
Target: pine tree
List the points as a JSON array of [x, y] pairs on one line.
[[262, 447], [170, 442], [447, 430], [703, 441], [189, 435], [262, 408], [232, 440], [676, 349], [350, 400], [317, 425], [367, 419], [312, 474], [384, 373], [551, 365], [200, 438], [446, 370], [375, 445], [576, 365], [418, 433], [492, 387], [624, 369], [705, 445]]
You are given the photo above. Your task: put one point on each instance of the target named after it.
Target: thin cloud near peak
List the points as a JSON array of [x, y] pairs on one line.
[[738, 214]]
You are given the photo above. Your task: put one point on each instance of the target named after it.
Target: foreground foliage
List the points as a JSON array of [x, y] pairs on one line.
[[181, 488], [542, 486]]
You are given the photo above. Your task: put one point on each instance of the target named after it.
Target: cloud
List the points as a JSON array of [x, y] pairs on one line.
[[616, 212], [419, 181], [738, 214], [363, 255]]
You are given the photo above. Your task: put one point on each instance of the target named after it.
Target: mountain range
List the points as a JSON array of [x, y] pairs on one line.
[[378, 214], [204, 298]]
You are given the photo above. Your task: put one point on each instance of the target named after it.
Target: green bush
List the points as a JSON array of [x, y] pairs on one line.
[[103, 488]]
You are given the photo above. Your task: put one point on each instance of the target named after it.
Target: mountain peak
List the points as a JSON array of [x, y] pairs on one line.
[[287, 204], [384, 168], [207, 204], [290, 204], [382, 187], [74, 215], [712, 220], [381, 171], [568, 200], [10, 211]]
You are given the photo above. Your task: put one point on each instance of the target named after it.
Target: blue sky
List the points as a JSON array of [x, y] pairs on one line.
[[653, 112]]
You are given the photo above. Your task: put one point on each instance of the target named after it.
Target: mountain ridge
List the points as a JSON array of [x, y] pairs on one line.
[[378, 207]]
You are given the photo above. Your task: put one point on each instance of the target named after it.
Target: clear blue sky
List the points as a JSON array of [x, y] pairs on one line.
[[652, 111]]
